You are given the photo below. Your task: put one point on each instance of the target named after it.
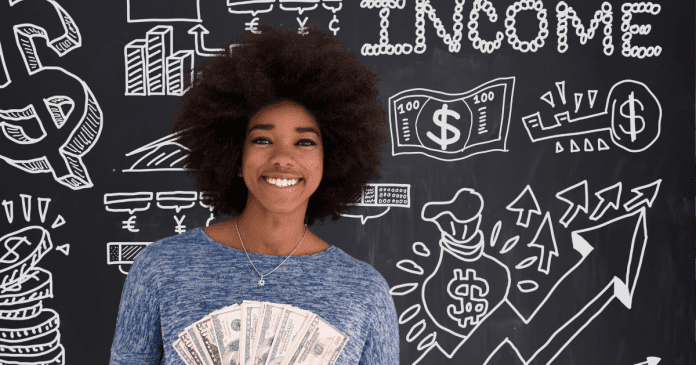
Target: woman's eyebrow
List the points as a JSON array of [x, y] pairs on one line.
[[268, 127]]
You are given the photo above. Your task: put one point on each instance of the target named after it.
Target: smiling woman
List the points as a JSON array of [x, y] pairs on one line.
[[284, 130]]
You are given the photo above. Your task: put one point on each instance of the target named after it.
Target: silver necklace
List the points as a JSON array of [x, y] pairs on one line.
[[261, 281]]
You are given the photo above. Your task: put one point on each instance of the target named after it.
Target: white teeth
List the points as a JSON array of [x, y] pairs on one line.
[[281, 182]]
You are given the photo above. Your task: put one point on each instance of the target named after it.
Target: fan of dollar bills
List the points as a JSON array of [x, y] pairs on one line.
[[260, 333]]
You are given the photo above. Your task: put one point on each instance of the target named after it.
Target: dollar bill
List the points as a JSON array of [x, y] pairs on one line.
[[269, 320], [183, 352], [251, 310], [190, 346], [227, 328], [293, 324], [202, 332], [320, 345]]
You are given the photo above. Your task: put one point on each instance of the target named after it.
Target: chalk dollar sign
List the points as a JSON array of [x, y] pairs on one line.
[[440, 119], [632, 117], [469, 291]]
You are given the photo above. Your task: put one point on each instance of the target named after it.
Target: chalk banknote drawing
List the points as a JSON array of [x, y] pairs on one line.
[[452, 127]]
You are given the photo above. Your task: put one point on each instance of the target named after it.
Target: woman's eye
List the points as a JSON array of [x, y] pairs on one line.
[[306, 142], [260, 140]]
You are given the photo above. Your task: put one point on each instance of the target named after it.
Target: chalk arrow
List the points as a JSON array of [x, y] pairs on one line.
[[198, 31], [608, 197], [648, 193], [576, 197], [615, 247], [650, 360], [547, 246], [526, 201]]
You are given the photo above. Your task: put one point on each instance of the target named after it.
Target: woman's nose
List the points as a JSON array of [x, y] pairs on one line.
[[283, 155]]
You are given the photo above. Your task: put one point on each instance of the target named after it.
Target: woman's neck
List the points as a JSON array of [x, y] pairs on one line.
[[270, 233]]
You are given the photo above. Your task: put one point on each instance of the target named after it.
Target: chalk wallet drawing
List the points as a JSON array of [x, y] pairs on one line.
[[140, 11], [469, 285], [380, 195], [59, 120], [29, 332], [632, 115], [451, 127]]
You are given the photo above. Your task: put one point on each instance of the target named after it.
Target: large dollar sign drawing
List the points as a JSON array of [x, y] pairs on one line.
[[632, 117], [469, 290], [440, 119]]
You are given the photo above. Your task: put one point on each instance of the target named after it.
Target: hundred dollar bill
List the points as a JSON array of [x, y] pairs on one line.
[[190, 346], [269, 320], [201, 329], [251, 310], [320, 345], [293, 324], [227, 328], [183, 353]]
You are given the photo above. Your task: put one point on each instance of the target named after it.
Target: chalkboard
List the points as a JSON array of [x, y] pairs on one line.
[[536, 203]]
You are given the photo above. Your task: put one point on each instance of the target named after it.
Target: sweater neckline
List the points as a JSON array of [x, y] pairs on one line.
[[318, 255]]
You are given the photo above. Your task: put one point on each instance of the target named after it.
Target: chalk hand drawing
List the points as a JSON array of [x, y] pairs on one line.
[[140, 11], [451, 127], [29, 331], [632, 116], [380, 195], [59, 120], [544, 310], [163, 154]]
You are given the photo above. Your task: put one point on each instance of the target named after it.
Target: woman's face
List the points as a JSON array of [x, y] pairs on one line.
[[283, 157]]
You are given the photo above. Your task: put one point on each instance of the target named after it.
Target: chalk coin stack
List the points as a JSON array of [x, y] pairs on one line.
[[28, 332]]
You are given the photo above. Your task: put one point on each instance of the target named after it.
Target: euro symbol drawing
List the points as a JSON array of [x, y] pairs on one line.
[[440, 119], [632, 117]]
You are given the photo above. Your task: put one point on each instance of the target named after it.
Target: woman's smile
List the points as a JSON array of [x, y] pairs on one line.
[[283, 158]]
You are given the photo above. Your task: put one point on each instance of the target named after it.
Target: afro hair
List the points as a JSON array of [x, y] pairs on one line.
[[314, 70]]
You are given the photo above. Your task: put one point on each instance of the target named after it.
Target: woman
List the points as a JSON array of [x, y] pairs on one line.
[[282, 130]]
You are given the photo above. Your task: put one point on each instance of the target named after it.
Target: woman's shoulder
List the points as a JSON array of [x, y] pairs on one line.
[[176, 243], [348, 266]]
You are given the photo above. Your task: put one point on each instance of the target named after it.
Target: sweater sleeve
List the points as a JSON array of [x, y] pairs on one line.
[[382, 343], [138, 337]]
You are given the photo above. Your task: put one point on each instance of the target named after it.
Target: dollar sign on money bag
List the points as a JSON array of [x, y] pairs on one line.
[[465, 286], [636, 115], [443, 126]]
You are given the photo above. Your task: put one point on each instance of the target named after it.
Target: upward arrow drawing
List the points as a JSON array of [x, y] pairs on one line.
[[648, 197], [198, 31], [525, 202], [547, 246], [616, 247], [577, 202]]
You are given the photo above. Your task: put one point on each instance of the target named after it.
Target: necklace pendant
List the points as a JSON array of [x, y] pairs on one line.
[[261, 282]]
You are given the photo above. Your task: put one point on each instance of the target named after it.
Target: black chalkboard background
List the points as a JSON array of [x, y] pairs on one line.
[[636, 256]]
